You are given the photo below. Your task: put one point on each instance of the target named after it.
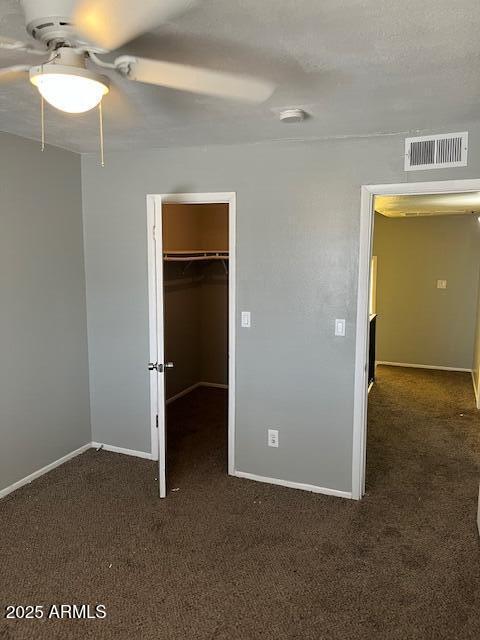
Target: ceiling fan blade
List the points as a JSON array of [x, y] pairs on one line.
[[196, 79], [10, 44], [111, 23], [10, 74]]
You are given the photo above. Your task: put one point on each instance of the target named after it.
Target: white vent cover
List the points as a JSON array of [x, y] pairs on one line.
[[436, 152]]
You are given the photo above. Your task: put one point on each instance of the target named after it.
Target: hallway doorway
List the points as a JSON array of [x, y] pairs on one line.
[[427, 262]]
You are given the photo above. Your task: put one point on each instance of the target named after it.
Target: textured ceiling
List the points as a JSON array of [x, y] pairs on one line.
[[357, 67], [428, 205]]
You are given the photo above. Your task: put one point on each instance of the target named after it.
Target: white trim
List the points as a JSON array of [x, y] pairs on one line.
[[419, 188], [232, 323], [475, 391], [293, 485], [421, 366], [368, 192], [152, 321], [127, 452], [156, 341], [361, 346], [155, 201], [43, 470]]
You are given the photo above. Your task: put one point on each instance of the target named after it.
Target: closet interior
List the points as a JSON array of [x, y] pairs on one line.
[[195, 274]]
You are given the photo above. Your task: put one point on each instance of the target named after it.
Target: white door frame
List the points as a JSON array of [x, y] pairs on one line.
[[154, 202], [368, 194]]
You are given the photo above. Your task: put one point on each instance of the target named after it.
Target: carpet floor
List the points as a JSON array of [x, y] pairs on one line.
[[230, 559]]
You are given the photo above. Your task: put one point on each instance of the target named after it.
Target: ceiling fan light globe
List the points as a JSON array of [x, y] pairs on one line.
[[69, 92]]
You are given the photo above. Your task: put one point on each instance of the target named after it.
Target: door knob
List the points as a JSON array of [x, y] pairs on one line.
[[160, 368]]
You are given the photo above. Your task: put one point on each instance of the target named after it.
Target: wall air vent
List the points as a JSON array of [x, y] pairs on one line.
[[436, 152]]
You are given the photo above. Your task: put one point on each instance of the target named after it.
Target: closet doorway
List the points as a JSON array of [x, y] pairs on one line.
[[191, 259]]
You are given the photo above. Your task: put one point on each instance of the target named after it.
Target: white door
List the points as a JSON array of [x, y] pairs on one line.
[[157, 365]]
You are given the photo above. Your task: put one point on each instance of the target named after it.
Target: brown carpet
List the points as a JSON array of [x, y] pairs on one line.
[[230, 559]]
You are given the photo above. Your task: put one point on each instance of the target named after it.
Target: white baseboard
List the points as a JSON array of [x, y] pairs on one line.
[[185, 392], [43, 470], [294, 485], [421, 366], [127, 452], [213, 385], [180, 394]]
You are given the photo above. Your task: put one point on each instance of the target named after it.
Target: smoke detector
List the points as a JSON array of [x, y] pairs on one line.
[[292, 115]]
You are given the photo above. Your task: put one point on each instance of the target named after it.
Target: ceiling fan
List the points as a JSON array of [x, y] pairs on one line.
[[73, 34]]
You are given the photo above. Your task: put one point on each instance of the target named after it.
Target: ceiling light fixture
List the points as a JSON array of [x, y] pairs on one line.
[[71, 33], [69, 89], [66, 83]]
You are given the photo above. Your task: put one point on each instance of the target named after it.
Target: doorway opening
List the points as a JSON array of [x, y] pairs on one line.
[[418, 325], [192, 334]]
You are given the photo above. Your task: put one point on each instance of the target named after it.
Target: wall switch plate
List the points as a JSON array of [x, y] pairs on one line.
[[340, 327], [246, 319], [273, 437], [441, 284]]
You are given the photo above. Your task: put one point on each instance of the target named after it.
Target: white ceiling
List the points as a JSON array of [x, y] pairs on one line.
[[356, 66], [428, 205]]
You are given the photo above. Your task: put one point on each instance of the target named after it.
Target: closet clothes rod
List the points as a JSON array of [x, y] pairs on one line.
[[191, 256]]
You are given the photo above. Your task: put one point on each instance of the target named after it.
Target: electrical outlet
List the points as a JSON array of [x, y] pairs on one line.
[[273, 437], [340, 327], [246, 319]]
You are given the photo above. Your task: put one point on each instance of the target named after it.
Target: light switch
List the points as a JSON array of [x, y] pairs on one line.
[[246, 319], [441, 284], [340, 327], [273, 437]]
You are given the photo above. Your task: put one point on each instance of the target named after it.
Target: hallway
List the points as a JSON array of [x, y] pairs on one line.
[[423, 434]]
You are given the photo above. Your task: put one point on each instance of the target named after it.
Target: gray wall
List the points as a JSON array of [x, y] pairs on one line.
[[417, 322], [214, 325], [182, 303], [297, 254], [44, 402]]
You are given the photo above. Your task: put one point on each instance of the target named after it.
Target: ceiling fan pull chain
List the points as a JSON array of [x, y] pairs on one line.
[[42, 112], [100, 119]]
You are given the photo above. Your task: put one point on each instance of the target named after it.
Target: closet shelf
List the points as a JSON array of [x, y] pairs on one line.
[[191, 256]]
